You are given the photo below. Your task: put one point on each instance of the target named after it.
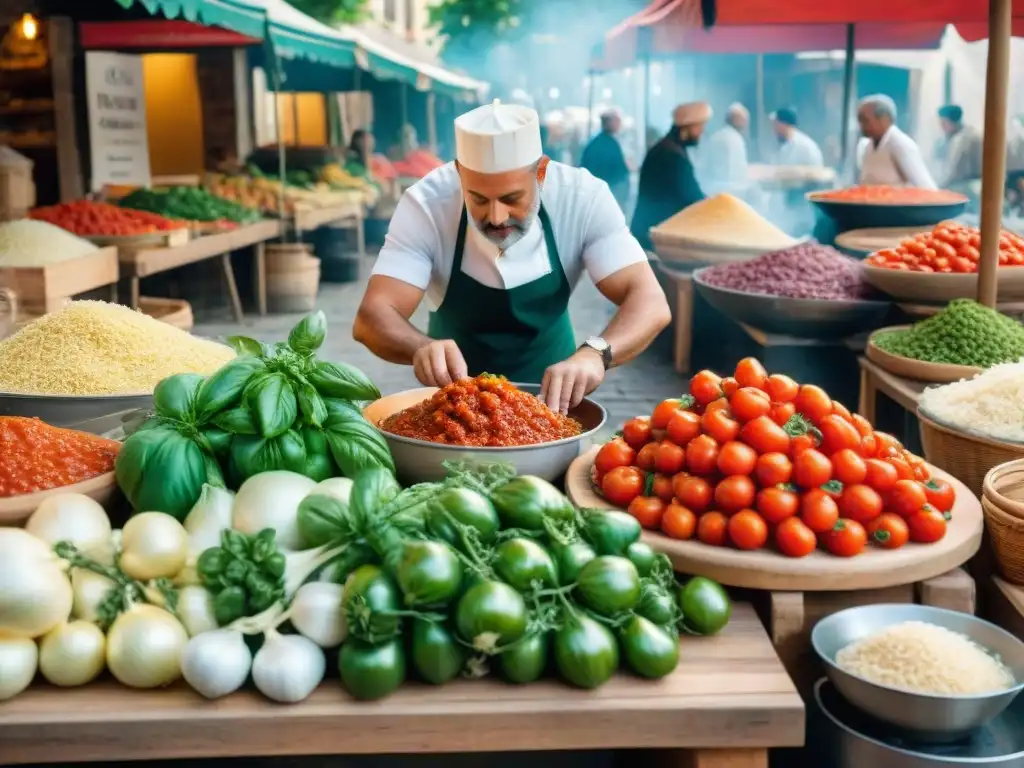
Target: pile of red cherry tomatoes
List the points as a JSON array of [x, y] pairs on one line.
[[949, 247], [754, 459]]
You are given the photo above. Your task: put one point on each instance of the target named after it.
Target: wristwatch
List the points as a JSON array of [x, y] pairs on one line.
[[602, 347]]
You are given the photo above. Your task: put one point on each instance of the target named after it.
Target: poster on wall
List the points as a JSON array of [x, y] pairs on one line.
[[117, 119]]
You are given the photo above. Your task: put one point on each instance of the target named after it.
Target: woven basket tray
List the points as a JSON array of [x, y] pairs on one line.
[[1006, 533], [966, 457], [1004, 488]]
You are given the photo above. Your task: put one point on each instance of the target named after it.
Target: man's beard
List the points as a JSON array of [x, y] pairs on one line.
[[518, 227]]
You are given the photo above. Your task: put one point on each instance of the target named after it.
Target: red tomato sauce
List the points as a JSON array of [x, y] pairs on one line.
[[37, 457], [485, 411]]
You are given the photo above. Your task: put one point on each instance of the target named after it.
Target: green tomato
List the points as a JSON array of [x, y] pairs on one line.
[[490, 615], [525, 502], [371, 671], [610, 532], [586, 652], [705, 605], [526, 660], [609, 585], [436, 655], [571, 559], [524, 563], [657, 605], [466, 507], [429, 573], [370, 601], [642, 556], [650, 651]]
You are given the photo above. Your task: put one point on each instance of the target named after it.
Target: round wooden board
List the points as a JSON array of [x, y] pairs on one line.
[[919, 370], [874, 239], [819, 571], [15, 510]]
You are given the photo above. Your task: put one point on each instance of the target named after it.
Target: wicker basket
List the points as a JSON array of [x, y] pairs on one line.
[[966, 457], [1004, 488], [1006, 533]]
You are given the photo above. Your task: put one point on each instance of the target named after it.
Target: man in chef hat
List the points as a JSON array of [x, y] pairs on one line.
[[497, 241]]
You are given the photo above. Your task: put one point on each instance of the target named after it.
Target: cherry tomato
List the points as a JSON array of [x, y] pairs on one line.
[[702, 455], [747, 530], [819, 511], [614, 453], [907, 497], [860, 502], [902, 467], [888, 531], [846, 539], [782, 413], [713, 528], [637, 432], [868, 446], [801, 443], [683, 427], [848, 467], [773, 469], [693, 492], [777, 504], [794, 539], [648, 510], [662, 487], [940, 494], [887, 445], [765, 436], [927, 526], [729, 385], [748, 403], [720, 424], [813, 402], [840, 410], [669, 458], [781, 388], [837, 434], [706, 386], [735, 493], [750, 373], [862, 425], [881, 475], [664, 411], [811, 469], [622, 484], [736, 458], [678, 522], [645, 456]]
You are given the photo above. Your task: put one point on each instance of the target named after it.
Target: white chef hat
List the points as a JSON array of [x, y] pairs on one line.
[[498, 137]]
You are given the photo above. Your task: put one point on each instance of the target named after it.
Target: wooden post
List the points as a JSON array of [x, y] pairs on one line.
[[997, 86], [849, 68]]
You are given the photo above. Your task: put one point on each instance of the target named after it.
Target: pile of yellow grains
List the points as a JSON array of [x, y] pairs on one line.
[[95, 348]]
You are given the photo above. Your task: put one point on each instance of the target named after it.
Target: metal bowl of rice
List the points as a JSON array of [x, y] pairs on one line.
[[900, 664]]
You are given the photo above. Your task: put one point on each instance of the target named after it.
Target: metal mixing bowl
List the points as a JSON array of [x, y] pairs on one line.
[[928, 717], [90, 413], [418, 461], [851, 215]]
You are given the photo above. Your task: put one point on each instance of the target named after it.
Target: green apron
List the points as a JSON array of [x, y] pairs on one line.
[[518, 332]]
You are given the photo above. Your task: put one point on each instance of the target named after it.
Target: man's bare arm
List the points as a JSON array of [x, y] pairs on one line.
[[643, 311]]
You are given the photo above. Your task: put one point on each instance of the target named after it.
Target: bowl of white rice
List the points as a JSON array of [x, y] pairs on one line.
[[933, 673]]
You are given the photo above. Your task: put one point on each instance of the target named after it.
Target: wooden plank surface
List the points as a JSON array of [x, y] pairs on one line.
[[729, 692], [874, 379], [150, 261], [819, 571], [312, 218], [44, 289]]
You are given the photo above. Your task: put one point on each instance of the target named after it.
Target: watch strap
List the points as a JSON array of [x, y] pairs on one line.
[[606, 353]]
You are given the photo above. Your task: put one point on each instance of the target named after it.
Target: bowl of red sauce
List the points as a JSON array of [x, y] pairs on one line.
[[486, 419]]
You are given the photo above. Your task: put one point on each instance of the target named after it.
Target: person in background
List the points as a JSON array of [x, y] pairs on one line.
[[962, 161], [604, 158], [886, 155], [668, 182], [723, 161], [361, 146], [795, 146]]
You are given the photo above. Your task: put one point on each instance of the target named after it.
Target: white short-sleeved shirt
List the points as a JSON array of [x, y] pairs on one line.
[[587, 223], [896, 160], [799, 149]]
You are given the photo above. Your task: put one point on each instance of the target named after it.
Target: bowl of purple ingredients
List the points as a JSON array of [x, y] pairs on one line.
[[809, 291]]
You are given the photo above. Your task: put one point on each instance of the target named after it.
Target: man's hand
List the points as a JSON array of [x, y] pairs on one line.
[[438, 363], [565, 384]]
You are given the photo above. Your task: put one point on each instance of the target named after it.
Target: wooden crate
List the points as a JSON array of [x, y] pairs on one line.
[[47, 288]]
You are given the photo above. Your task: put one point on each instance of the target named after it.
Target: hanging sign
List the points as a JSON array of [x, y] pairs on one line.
[[117, 119]]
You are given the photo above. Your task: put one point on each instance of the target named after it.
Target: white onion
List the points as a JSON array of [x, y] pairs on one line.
[[18, 659], [195, 610], [35, 593], [72, 654], [316, 613], [153, 546], [90, 589], [271, 500], [72, 517], [144, 647]]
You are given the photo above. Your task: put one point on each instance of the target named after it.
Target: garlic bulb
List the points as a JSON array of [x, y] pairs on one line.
[[153, 546], [216, 663], [72, 654], [18, 659], [195, 610], [288, 667], [144, 647], [316, 613]]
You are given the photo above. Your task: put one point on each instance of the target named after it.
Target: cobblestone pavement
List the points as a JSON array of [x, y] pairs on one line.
[[627, 391]]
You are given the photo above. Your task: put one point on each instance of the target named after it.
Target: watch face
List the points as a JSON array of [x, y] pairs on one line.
[[596, 342]]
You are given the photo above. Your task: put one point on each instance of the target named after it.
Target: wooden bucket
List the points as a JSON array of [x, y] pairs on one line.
[[287, 257], [295, 290]]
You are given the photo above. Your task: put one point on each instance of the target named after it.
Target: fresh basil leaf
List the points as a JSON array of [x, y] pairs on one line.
[[342, 381], [224, 388], [274, 405], [237, 421], [324, 518], [355, 444], [218, 440], [243, 345], [314, 411], [372, 490], [319, 462], [252, 455], [309, 334], [175, 396]]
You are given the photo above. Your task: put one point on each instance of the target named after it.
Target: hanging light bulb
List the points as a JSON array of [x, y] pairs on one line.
[[28, 27]]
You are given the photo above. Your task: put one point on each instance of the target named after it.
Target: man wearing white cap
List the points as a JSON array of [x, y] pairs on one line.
[[496, 242], [723, 160]]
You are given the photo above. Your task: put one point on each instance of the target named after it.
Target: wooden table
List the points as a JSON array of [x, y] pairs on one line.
[[137, 263], [1003, 604], [727, 703], [349, 216], [682, 315], [874, 380]]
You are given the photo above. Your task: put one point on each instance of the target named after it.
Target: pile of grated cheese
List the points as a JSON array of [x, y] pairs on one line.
[[991, 403], [28, 243], [95, 348]]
